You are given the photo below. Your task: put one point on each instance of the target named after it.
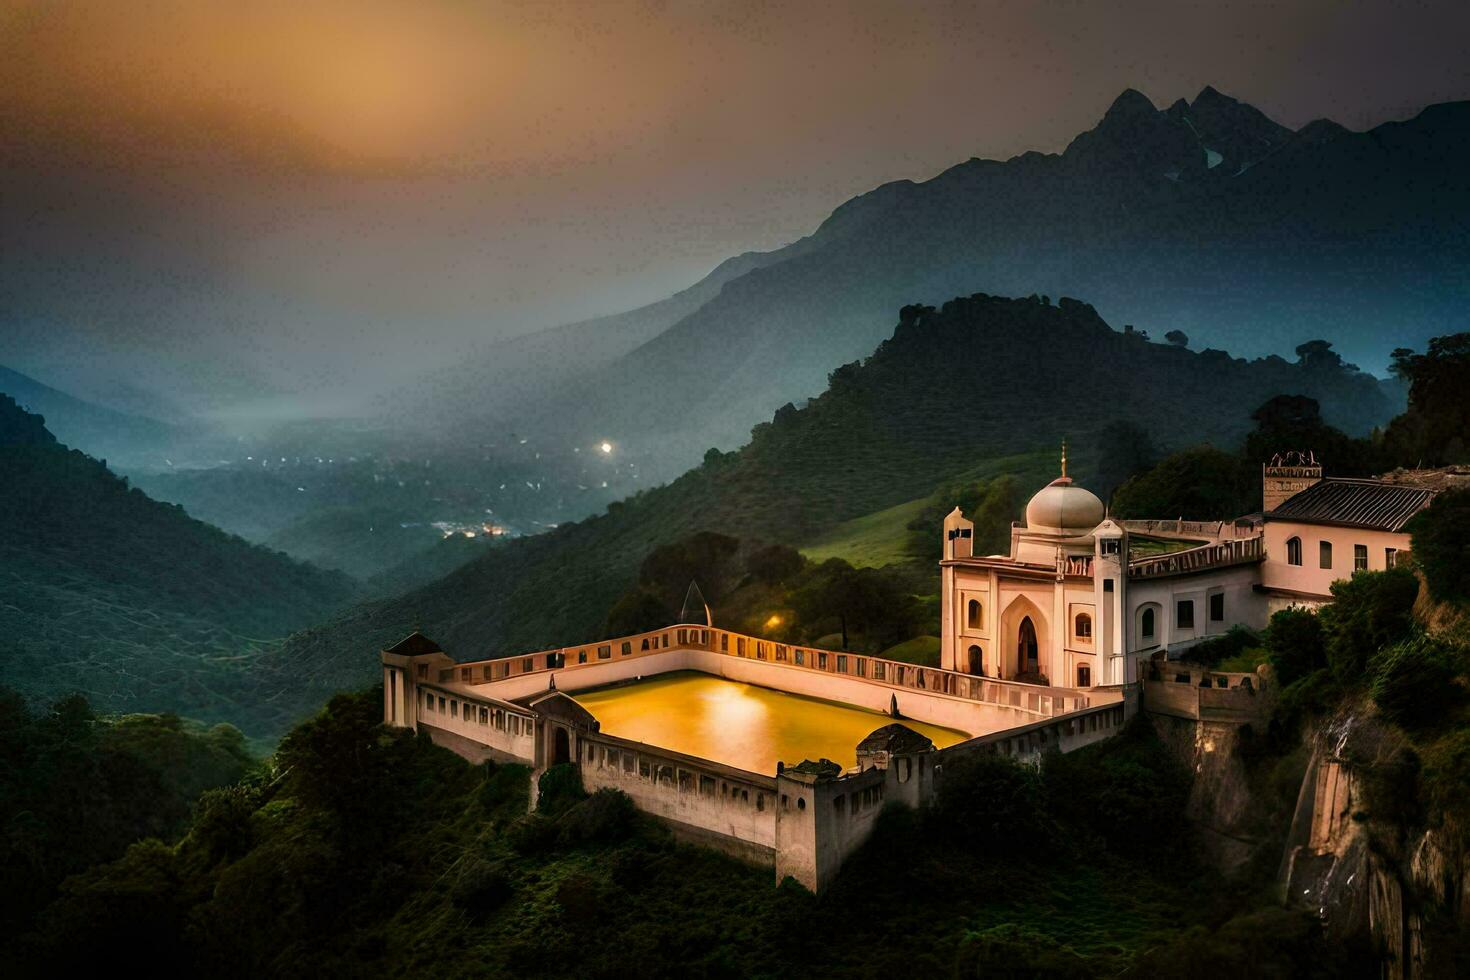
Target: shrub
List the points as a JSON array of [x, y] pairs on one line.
[[559, 788], [1231, 644], [992, 797], [535, 833], [505, 786], [1294, 645], [222, 822], [1369, 611], [480, 887], [1441, 535], [1391, 789], [605, 817], [1415, 682]]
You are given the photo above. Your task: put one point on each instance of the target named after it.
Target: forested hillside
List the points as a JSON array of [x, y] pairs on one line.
[[130, 601], [983, 377], [370, 852]]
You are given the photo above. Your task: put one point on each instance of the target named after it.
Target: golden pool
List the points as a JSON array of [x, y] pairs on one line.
[[738, 724]]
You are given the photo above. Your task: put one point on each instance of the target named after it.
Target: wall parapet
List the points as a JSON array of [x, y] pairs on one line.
[[1237, 551], [1030, 698], [1200, 694]]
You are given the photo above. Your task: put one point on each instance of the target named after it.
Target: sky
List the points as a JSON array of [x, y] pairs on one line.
[[203, 201]]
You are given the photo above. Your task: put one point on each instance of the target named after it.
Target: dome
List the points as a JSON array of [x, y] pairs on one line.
[[1064, 509]]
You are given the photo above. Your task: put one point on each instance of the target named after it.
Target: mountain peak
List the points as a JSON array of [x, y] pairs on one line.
[[1211, 94], [1131, 103], [21, 428]]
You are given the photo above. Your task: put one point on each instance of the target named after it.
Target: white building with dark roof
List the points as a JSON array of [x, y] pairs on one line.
[[1077, 602]]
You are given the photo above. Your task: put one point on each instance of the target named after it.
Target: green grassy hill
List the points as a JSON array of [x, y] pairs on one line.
[[873, 540], [984, 378], [130, 601]]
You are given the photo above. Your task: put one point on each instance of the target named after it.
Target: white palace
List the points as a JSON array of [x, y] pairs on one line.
[[1075, 603], [1041, 652]]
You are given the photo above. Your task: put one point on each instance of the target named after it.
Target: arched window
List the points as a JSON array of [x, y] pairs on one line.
[[974, 614], [1084, 626], [1293, 551], [1146, 623], [1324, 554], [975, 661], [1084, 676]]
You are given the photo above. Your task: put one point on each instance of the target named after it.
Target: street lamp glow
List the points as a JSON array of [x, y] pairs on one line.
[[606, 447]]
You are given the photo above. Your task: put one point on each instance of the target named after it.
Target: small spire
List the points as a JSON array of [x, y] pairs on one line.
[[1064, 458]]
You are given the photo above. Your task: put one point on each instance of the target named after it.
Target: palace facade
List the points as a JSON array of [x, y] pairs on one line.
[[1081, 599]]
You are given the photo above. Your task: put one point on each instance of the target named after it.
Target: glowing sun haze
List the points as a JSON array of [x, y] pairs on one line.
[[333, 193]]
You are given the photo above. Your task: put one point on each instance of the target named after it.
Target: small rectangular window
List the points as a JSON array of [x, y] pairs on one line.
[[821, 660], [880, 670], [1184, 614], [527, 665], [1324, 554], [841, 664], [1217, 607], [1390, 556], [1360, 557], [604, 652], [800, 658]]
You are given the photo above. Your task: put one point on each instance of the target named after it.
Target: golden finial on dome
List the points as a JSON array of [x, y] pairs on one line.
[[1064, 458]]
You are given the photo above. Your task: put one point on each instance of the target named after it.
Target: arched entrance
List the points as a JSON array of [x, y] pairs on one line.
[[1028, 654], [561, 747]]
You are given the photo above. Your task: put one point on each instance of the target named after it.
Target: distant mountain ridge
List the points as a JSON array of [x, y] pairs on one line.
[[96, 429], [1206, 216], [131, 601], [982, 378]]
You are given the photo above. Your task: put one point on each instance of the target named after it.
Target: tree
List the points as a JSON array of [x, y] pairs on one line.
[[1203, 483], [775, 563], [1294, 645], [1441, 540], [869, 601], [1124, 450], [1294, 422], [1433, 430], [1178, 338], [1414, 681], [1369, 611], [704, 557], [639, 610], [1318, 355]]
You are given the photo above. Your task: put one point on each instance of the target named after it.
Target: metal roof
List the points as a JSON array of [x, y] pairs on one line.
[[1370, 504], [415, 644]]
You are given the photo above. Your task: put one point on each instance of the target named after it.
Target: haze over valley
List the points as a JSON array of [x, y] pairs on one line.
[[727, 489]]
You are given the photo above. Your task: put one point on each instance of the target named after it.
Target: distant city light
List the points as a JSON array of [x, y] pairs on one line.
[[606, 447], [773, 622]]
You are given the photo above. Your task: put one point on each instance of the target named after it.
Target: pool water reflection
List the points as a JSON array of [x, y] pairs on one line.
[[739, 724]]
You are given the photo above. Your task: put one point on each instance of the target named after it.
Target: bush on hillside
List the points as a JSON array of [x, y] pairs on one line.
[[1369, 611], [1442, 542], [1223, 647], [775, 564], [1294, 645], [1416, 681], [640, 610], [990, 797], [559, 788], [605, 817]]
